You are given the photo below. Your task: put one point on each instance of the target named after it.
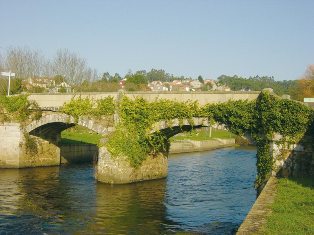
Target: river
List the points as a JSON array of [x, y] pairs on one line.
[[204, 193]]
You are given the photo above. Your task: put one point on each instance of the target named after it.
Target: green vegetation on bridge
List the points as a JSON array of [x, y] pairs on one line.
[[18, 108], [133, 137], [260, 119], [79, 107]]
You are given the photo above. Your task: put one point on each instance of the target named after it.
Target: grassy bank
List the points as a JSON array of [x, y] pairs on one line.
[[203, 134], [293, 208], [79, 134]]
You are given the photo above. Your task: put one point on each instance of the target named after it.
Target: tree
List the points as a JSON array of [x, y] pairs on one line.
[[200, 79], [23, 62], [106, 77], [158, 75], [69, 65], [58, 79], [136, 79], [306, 84], [257, 83], [116, 78]]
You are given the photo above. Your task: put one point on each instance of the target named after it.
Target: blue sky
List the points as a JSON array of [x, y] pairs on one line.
[[190, 38]]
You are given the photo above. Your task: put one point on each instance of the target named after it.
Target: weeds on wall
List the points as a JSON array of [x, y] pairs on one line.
[[30, 144], [88, 107], [18, 108]]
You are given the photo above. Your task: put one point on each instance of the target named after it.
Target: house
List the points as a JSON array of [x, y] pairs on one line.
[[38, 84], [196, 85], [211, 83], [46, 84], [63, 87], [158, 86], [173, 86]]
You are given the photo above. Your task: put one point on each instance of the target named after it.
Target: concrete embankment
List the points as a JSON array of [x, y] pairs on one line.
[[78, 153], [89, 152], [186, 146]]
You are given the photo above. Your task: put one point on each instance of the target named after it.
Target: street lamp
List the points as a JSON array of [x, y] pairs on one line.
[[8, 74]]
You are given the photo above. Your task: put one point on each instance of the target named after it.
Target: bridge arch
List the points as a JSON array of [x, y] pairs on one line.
[[176, 126], [57, 122], [41, 138]]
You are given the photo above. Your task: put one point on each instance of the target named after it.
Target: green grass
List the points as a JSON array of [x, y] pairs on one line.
[[293, 208], [204, 135], [79, 134]]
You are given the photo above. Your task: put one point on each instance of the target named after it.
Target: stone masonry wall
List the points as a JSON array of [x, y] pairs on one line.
[[11, 137], [44, 153], [16, 153], [79, 153], [293, 159]]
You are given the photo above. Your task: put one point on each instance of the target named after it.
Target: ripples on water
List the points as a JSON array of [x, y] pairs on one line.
[[205, 193]]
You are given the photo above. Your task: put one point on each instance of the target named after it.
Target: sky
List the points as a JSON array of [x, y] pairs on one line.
[[183, 37]]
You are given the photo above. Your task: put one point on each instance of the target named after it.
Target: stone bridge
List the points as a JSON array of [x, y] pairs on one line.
[[36, 144], [54, 101]]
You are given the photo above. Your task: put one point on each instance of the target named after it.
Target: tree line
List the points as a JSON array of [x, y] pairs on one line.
[[297, 89], [73, 69]]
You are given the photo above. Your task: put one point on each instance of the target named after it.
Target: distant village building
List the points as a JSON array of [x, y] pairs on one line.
[[177, 85], [211, 83], [122, 83], [158, 86], [186, 85], [196, 85], [64, 87], [39, 82], [47, 85], [180, 87]]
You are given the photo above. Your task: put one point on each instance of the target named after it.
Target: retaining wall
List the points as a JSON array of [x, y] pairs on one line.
[[186, 146], [78, 153]]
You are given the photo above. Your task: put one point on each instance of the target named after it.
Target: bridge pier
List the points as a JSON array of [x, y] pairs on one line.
[[19, 149], [119, 171]]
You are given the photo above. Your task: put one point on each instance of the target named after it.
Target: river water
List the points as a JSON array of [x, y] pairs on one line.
[[204, 193]]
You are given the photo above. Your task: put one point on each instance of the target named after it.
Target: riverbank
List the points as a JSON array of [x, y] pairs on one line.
[[285, 206], [188, 145], [293, 209]]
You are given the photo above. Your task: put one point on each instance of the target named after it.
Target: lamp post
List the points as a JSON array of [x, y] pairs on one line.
[[8, 74]]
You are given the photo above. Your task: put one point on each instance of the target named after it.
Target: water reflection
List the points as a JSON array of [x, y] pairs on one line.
[[132, 209], [207, 193]]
